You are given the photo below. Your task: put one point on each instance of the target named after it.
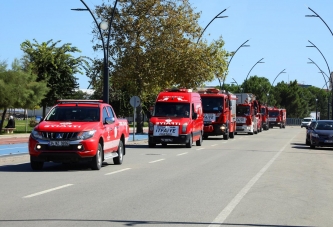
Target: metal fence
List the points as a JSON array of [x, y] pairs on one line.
[[294, 121]]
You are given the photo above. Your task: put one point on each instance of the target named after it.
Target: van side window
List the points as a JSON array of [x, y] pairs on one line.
[[105, 114], [110, 111]]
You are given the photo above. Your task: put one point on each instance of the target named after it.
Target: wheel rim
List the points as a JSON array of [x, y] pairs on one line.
[[120, 152], [99, 157]]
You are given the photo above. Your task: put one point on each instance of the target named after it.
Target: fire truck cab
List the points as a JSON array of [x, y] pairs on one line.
[[177, 118], [219, 108], [246, 113], [277, 117]]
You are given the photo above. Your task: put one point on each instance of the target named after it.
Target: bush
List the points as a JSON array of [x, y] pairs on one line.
[[33, 123]]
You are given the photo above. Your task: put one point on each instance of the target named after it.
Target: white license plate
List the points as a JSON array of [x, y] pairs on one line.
[[167, 140], [328, 141], [59, 143]]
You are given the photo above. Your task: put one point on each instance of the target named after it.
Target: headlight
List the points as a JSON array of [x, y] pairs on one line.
[[184, 128], [314, 135], [86, 135], [36, 134]]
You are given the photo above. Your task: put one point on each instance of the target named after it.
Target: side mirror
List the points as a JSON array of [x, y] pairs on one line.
[[194, 116], [109, 120]]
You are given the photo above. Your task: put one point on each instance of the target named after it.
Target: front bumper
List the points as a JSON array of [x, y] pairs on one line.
[[244, 128], [215, 129], [41, 150], [181, 139]]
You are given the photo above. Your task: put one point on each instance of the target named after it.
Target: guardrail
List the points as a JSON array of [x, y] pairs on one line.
[[294, 121]]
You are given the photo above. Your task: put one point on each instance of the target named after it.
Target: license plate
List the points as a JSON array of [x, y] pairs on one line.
[[328, 141], [59, 143]]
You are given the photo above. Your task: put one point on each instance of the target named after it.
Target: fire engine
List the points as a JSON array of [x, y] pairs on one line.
[[264, 113], [277, 117], [246, 113], [219, 108], [177, 118]]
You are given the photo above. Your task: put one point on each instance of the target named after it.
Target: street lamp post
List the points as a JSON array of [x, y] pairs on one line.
[[317, 15], [242, 45], [316, 108], [274, 81], [251, 70], [236, 83], [103, 25]]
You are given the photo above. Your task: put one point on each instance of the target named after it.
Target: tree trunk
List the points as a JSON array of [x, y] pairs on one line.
[[139, 120], [3, 119]]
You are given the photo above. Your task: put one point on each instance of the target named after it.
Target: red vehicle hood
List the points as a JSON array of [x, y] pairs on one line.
[[54, 126]]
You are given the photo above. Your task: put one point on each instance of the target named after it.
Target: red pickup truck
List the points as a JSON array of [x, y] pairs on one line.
[[79, 130]]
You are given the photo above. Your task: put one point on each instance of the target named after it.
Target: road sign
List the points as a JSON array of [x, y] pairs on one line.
[[135, 101]]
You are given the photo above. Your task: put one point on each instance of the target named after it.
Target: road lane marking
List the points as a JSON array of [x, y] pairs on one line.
[[49, 190], [213, 145], [221, 217], [11, 148], [200, 149], [157, 160], [118, 171], [182, 154]]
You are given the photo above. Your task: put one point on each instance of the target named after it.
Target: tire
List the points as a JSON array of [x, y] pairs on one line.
[[255, 132], [199, 142], [119, 160], [312, 146], [96, 162], [250, 133], [151, 145], [36, 165], [226, 136], [307, 142], [189, 143], [232, 135]]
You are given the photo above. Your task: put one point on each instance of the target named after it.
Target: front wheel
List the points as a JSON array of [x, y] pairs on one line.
[[199, 142], [119, 160], [96, 162], [190, 141], [36, 165], [232, 135]]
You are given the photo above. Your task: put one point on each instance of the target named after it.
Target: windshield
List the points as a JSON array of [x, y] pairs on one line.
[[73, 113], [169, 109], [212, 104], [242, 110], [307, 119], [324, 125], [273, 113]]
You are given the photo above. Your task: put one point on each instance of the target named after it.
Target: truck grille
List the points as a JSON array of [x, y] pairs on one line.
[[59, 135]]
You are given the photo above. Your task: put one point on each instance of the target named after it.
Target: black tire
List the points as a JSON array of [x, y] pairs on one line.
[[36, 165], [307, 142], [189, 143], [226, 136], [119, 160], [96, 162], [232, 135], [312, 146], [255, 132], [250, 133], [199, 142], [151, 145]]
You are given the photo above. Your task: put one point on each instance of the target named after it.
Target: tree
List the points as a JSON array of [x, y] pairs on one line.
[[259, 86], [154, 47], [55, 65], [19, 89]]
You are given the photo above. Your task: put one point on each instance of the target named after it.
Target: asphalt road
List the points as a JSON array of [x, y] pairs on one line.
[[269, 179]]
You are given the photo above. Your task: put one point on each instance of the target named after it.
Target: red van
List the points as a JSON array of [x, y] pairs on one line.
[[177, 118]]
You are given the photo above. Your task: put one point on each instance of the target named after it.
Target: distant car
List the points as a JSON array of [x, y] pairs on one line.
[[321, 134], [306, 121], [308, 132]]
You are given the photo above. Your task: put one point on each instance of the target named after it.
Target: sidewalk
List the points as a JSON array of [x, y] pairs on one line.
[[24, 137]]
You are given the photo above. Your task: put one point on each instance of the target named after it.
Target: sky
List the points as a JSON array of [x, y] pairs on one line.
[[277, 31]]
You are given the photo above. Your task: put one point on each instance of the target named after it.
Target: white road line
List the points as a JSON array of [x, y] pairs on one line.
[[182, 154], [46, 191], [157, 160], [200, 149], [218, 221], [118, 171], [214, 145], [11, 148]]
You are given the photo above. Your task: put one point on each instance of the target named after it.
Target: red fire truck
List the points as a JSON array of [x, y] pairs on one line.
[[177, 118], [264, 114], [277, 117], [219, 108], [246, 113]]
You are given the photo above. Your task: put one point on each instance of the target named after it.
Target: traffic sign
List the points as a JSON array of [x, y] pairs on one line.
[[135, 101]]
